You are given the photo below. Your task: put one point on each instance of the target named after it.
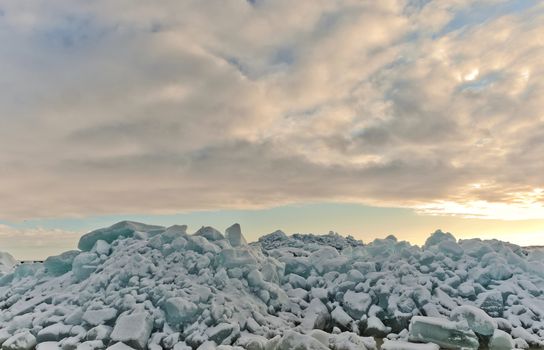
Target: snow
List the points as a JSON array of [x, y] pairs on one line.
[[521, 344], [137, 286], [523, 334]]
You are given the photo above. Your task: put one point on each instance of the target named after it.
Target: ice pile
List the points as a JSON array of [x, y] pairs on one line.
[[137, 286], [7, 263]]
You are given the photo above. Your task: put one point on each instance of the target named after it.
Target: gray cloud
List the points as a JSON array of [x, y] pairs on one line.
[[132, 107]]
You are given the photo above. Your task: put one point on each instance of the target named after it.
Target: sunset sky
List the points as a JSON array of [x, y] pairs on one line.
[[367, 118]]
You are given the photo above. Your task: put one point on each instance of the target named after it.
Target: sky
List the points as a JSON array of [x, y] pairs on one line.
[[362, 117]]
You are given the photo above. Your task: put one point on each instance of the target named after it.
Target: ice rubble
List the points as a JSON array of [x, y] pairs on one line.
[[137, 286]]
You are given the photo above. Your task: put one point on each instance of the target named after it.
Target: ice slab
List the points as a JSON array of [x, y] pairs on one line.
[[402, 345], [445, 333], [133, 330], [110, 234]]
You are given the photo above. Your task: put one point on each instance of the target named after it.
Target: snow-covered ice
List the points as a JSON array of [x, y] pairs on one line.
[[501, 341], [138, 286], [23, 340]]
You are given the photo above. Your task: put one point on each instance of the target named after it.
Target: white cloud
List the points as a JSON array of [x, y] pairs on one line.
[[128, 106]]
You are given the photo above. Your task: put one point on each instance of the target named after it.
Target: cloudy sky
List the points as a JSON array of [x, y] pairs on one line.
[[363, 117]]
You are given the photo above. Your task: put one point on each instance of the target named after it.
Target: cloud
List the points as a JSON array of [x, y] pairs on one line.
[[35, 243], [130, 107]]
